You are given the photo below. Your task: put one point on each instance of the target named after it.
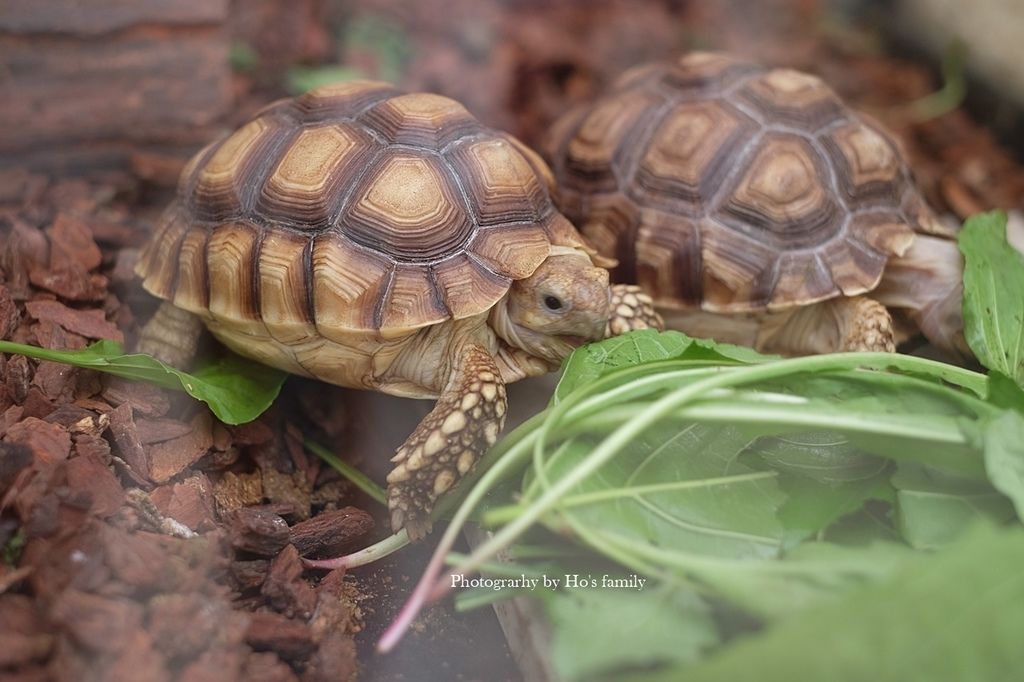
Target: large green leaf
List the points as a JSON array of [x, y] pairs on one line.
[[1004, 457], [237, 390], [812, 506], [599, 632], [954, 615], [934, 508], [595, 360], [993, 295], [678, 487]]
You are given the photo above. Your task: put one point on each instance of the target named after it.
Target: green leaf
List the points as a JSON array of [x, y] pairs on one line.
[[822, 456], [950, 616], [811, 506], [600, 632], [935, 508], [595, 360], [1004, 392], [1004, 457], [993, 299], [678, 487], [236, 389]]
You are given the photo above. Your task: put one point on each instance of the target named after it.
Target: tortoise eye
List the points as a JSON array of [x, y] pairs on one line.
[[553, 303]]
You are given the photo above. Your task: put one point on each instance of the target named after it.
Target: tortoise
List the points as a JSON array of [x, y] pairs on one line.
[[758, 209], [388, 241]]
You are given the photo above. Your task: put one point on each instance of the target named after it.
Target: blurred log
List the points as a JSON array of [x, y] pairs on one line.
[[87, 84]]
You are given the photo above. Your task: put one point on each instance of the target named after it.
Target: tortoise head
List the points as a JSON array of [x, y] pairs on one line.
[[562, 305]]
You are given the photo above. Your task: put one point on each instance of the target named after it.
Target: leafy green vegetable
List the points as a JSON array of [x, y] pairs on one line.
[[596, 360], [658, 492], [599, 632], [934, 508], [237, 390], [951, 616], [812, 506], [993, 298], [1004, 457]]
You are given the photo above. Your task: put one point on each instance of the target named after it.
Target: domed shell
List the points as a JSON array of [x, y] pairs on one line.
[[353, 208], [723, 185]]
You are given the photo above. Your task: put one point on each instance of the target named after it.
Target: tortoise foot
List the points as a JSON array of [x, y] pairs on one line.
[[631, 309]]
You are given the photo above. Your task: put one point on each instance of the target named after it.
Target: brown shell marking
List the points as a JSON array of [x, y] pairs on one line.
[[353, 208], [719, 183]]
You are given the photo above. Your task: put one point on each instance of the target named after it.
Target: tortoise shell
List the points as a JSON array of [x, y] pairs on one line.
[[353, 208], [723, 185]]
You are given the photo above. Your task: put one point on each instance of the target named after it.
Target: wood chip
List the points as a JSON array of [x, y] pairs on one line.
[[89, 323], [234, 491], [157, 430], [72, 237], [90, 474], [100, 624], [265, 666], [49, 443], [122, 427], [170, 458], [257, 531], [189, 502], [331, 532], [290, 639], [284, 587]]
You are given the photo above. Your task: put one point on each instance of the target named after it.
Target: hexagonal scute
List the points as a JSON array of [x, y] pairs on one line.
[[707, 72], [421, 120], [501, 184], [342, 100], [867, 165], [792, 98], [224, 185], [783, 197], [312, 174], [407, 207], [686, 159], [598, 142]]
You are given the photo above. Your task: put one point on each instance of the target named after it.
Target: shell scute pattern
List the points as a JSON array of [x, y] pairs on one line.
[[353, 208], [721, 184]]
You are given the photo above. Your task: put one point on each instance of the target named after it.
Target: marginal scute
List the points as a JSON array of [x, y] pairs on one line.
[[855, 268], [159, 262], [285, 289], [192, 290], [412, 300], [231, 254], [466, 287], [803, 278], [348, 283], [407, 208], [738, 272], [512, 252]]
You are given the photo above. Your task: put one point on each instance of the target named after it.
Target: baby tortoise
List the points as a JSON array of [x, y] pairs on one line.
[[757, 208], [383, 241]]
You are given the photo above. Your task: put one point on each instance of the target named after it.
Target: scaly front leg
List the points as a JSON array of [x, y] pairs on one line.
[[465, 422]]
